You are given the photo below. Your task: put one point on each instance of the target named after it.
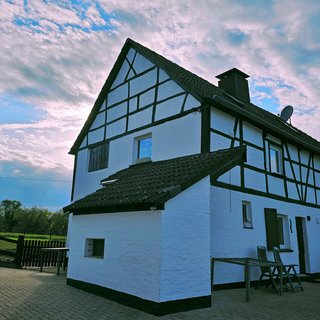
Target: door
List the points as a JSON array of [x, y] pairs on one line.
[[301, 246]]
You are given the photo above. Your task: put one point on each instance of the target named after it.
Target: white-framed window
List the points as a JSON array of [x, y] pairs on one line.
[[98, 157], [277, 229], [143, 147], [247, 214], [94, 248], [275, 158], [283, 231]]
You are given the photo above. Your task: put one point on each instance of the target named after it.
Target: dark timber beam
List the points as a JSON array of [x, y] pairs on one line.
[[205, 128]]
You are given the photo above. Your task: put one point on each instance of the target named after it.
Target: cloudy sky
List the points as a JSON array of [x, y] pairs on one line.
[[56, 55]]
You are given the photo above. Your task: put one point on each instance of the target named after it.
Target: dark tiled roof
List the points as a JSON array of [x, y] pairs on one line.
[[200, 87], [208, 92], [205, 92], [151, 184]]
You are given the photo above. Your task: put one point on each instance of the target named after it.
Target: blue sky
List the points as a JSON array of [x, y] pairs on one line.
[[56, 55]]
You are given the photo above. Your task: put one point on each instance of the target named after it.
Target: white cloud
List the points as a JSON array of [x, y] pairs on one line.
[[53, 63]]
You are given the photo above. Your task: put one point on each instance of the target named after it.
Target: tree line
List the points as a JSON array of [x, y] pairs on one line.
[[37, 220]]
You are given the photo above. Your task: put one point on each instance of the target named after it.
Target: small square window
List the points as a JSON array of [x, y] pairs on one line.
[[98, 157], [246, 214], [94, 248], [143, 147], [275, 158]]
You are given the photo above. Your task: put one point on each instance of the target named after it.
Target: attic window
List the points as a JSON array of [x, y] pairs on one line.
[[275, 158], [143, 147], [98, 157]]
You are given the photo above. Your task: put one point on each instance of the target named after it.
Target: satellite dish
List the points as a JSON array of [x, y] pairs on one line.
[[286, 113]]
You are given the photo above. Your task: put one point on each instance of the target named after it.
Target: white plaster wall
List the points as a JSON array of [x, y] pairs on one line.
[[310, 195], [293, 152], [169, 140], [276, 185], [218, 142], [155, 255], [131, 263], [185, 244], [230, 239], [292, 191], [96, 136], [222, 121], [232, 176], [168, 108], [177, 138], [86, 182], [288, 170], [254, 180], [252, 134], [304, 157], [140, 119], [255, 157]]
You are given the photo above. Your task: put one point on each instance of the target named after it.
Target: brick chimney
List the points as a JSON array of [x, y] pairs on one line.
[[235, 83]]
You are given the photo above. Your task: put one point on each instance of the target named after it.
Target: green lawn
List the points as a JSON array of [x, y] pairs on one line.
[[14, 236]]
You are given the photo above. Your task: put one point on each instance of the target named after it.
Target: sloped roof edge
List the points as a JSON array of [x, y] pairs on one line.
[[170, 67], [102, 95]]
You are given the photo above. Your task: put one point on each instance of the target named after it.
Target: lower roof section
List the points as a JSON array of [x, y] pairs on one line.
[[148, 185]]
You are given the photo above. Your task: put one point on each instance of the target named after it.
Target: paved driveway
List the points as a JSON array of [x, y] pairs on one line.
[[29, 294]]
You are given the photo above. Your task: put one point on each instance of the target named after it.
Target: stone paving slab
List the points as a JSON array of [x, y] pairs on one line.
[[29, 294]]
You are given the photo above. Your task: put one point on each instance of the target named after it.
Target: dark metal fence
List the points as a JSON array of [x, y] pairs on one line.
[[27, 252], [17, 255], [31, 253]]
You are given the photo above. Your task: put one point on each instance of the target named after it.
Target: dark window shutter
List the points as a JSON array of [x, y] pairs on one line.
[[271, 228]]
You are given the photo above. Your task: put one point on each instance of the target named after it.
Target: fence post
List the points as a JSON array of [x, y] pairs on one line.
[[19, 251]]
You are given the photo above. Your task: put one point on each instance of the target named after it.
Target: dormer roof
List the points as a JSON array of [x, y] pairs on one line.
[[148, 185]]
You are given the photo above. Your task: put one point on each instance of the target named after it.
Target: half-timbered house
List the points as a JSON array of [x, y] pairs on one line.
[[171, 170]]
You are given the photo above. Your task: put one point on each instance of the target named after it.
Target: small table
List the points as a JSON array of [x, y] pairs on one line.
[[247, 263], [60, 251]]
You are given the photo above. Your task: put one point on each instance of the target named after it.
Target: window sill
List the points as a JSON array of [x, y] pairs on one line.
[[94, 257], [142, 160], [95, 170], [286, 250], [244, 227], [277, 174]]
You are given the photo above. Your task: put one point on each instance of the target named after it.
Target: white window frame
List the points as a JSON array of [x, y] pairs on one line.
[[246, 209], [279, 162], [284, 229], [137, 140]]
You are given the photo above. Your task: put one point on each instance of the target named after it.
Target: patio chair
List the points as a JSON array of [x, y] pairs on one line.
[[266, 271], [288, 271]]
